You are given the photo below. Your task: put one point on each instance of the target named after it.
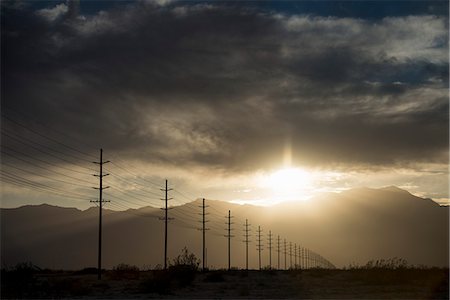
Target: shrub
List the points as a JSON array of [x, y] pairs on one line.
[[19, 281], [181, 272], [184, 267], [389, 264], [186, 259], [125, 271]]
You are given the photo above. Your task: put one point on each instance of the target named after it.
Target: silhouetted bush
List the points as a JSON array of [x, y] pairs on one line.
[[19, 281], [181, 272], [184, 267], [186, 259], [390, 264], [125, 271]]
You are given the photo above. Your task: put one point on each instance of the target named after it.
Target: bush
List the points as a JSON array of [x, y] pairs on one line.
[[389, 264], [186, 259], [19, 281], [181, 272], [125, 271]]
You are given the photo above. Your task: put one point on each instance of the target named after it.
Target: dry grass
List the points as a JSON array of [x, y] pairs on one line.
[[311, 284]]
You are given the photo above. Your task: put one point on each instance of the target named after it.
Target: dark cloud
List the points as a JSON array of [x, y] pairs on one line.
[[225, 87]]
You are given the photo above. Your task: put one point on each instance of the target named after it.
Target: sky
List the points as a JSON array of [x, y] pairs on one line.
[[246, 101]]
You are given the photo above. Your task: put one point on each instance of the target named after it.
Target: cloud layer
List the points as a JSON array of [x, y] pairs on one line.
[[229, 87]]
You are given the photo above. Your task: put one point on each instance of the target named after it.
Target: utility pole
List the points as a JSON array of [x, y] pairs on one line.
[[290, 254], [166, 219], [303, 258], [285, 253], [270, 249], [307, 258], [229, 236], [259, 248], [204, 265], [100, 202], [246, 241], [295, 256], [278, 250]]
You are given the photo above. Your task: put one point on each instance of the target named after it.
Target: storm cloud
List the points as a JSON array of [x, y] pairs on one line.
[[225, 86]]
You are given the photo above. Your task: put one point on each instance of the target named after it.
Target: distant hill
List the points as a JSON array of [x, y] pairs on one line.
[[351, 227]]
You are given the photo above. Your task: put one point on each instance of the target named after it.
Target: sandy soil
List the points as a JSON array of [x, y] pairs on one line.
[[307, 284]]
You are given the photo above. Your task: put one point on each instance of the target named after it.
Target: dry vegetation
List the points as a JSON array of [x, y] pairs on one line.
[[184, 281]]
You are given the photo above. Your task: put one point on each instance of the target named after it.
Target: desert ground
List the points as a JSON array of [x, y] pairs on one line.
[[180, 283]]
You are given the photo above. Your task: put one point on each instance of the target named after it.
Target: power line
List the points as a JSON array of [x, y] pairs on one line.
[[37, 187], [44, 168], [47, 137], [32, 144], [40, 175]]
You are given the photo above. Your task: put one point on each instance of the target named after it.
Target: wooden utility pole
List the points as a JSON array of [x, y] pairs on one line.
[[229, 236], [166, 219], [307, 258], [246, 241], [270, 249], [295, 256], [285, 255], [278, 250], [100, 202], [204, 265], [259, 247], [303, 258], [290, 255]]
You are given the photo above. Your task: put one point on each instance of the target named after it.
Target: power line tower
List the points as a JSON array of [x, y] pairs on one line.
[[166, 219], [285, 253], [203, 229], [270, 249], [259, 247], [229, 236], [290, 255], [246, 241], [278, 250], [100, 202]]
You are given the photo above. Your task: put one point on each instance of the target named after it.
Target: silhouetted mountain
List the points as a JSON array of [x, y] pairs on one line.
[[351, 227]]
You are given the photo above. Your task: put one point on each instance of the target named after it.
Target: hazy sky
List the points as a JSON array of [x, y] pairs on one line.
[[219, 96]]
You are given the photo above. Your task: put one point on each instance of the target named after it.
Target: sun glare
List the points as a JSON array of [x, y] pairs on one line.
[[289, 183]]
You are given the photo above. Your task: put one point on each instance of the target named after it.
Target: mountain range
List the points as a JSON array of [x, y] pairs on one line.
[[351, 227]]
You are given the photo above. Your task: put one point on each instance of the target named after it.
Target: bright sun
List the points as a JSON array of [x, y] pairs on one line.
[[288, 183]]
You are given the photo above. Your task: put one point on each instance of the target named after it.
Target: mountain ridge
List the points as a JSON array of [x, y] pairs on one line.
[[353, 226], [392, 188]]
